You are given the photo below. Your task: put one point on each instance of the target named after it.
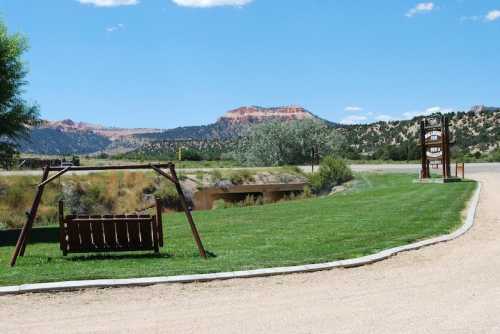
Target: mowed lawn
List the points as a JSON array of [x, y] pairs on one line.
[[379, 212]]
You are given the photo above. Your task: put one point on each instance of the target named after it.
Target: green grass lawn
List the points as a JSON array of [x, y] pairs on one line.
[[379, 212]]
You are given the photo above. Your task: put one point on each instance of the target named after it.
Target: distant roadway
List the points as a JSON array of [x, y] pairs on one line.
[[386, 168]]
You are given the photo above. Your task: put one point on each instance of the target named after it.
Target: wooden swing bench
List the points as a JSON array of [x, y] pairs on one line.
[[110, 233], [85, 234]]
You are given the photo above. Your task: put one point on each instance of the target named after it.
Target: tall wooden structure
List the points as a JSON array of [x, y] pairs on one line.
[[158, 168], [435, 146]]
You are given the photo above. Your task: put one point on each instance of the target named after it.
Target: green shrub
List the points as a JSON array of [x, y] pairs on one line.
[[332, 172], [307, 192], [200, 175], [495, 156], [316, 182], [215, 176], [191, 155], [238, 177]]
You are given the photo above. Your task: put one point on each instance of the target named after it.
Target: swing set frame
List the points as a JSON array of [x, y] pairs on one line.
[[158, 168]]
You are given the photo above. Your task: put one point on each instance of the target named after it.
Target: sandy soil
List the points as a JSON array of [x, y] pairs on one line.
[[448, 288]]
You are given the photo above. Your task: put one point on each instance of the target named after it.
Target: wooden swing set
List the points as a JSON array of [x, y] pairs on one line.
[[80, 234]]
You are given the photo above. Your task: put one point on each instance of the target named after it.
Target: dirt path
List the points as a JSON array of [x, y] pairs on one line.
[[448, 288]]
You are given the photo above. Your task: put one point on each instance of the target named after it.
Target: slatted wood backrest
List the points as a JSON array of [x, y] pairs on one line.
[[109, 233]]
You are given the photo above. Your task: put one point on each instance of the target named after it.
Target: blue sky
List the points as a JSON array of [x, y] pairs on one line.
[[167, 63]]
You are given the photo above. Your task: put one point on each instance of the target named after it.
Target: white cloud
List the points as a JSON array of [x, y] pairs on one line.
[[117, 27], [423, 7], [433, 110], [493, 15], [385, 118], [353, 109], [109, 3], [354, 119], [427, 112], [490, 17], [211, 3]]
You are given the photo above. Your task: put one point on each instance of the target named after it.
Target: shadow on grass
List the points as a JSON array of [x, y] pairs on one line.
[[126, 256], [38, 235], [210, 254], [115, 256]]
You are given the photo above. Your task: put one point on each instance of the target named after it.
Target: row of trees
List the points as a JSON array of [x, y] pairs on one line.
[[282, 143], [16, 115]]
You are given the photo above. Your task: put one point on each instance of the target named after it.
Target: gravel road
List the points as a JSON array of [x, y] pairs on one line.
[[447, 288], [387, 168]]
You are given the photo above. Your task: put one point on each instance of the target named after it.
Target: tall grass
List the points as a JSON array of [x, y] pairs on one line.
[[99, 193]]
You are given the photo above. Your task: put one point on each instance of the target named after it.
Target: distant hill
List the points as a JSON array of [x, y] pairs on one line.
[[53, 141], [112, 133], [68, 137], [233, 124], [477, 130]]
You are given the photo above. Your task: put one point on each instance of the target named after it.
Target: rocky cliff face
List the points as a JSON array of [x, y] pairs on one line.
[[254, 114], [70, 125], [111, 133]]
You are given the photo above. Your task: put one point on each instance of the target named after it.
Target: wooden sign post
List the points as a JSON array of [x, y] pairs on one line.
[[435, 146]]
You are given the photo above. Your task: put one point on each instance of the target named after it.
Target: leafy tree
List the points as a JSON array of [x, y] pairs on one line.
[[7, 154], [191, 155], [287, 143], [16, 115]]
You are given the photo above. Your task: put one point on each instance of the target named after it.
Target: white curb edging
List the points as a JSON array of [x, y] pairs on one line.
[[361, 261]]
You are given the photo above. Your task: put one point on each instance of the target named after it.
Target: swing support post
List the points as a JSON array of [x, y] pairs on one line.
[[187, 211], [175, 180], [31, 216]]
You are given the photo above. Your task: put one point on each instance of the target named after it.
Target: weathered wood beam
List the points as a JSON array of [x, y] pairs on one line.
[[26, 230], [157, 169], [54, 177], [101, 168], [159, 210]]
